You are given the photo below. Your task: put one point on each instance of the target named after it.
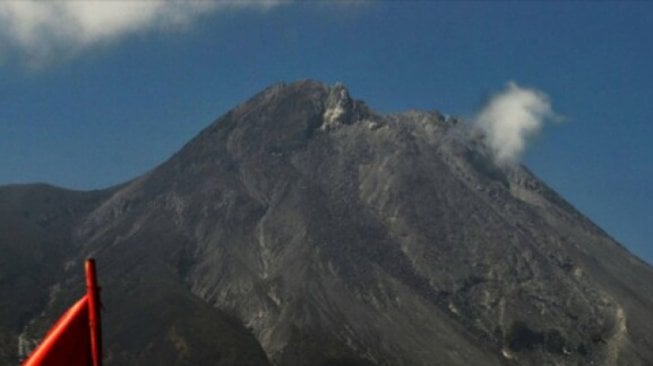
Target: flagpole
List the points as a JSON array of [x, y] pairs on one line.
[[93, 294]]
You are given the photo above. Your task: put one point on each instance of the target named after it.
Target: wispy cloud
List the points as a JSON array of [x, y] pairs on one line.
[[511, 117], [40, 30]]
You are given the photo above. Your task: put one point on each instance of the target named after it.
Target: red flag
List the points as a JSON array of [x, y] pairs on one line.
[[75, 339]]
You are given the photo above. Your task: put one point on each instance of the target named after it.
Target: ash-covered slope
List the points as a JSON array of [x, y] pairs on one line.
[[340, 236]]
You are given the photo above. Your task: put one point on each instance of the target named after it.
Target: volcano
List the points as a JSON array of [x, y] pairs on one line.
[[303, 228]]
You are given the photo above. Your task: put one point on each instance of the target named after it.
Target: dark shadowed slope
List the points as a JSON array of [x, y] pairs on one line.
[[36, 223], [303, 222]]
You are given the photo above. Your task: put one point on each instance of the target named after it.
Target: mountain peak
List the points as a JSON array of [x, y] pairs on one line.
[[303, 222], [334, 101]]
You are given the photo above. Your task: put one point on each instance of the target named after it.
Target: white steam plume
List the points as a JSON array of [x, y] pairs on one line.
[[47, 29], [511, 117]]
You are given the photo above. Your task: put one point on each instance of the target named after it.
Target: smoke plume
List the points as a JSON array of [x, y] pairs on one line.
[[511, 117]]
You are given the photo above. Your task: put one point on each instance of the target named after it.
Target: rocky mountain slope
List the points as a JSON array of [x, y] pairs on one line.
[[302, 228]]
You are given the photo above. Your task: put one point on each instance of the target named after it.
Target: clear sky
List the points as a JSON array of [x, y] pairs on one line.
[[94, 99]]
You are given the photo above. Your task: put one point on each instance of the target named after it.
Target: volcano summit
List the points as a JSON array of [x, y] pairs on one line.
[[303, 228]]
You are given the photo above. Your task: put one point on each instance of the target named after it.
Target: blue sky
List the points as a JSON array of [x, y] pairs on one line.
[[91, 108]]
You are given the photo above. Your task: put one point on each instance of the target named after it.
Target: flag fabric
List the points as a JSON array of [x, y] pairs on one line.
[[68, 342], [75, 339]]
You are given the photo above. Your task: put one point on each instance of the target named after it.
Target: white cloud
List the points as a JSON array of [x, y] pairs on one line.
[[511, 117], [42, 29]]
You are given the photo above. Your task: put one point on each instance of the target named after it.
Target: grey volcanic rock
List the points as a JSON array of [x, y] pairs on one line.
[[302, 228]]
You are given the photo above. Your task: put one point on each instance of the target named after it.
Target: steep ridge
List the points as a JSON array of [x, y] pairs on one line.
[[304, 222]]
